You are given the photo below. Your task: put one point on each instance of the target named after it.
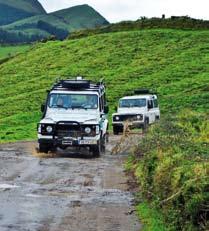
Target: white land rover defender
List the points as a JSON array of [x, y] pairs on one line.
[[74, 115], [138, 111]]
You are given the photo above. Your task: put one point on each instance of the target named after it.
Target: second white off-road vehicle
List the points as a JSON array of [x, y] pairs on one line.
[[136, 111], [74, 115]]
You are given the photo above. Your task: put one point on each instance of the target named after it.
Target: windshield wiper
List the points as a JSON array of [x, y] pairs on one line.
[[59, 106]]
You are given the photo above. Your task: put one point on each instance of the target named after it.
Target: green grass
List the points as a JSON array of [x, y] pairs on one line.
[[8, 51], [163, 60], [150, 217]]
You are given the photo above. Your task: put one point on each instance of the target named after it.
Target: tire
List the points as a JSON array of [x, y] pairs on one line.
[[44, 148], [145, 126], [103, 144], [96, 150], [115, 130]]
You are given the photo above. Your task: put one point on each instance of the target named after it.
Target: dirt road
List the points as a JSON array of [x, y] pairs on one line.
[[63, 192]]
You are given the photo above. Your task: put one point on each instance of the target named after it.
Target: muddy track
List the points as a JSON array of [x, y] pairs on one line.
[[64, 192]]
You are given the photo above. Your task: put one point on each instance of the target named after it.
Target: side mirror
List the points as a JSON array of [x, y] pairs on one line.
[[106, 109], [42, 107]]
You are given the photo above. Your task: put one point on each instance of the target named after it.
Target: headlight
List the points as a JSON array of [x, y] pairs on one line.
[[97, 129], [87, 130], [139, 117], [49, 129], [39, 128], [117, 118]]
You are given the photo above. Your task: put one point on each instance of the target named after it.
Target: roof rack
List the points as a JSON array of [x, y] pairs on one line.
[[78, 84], [142, 91]]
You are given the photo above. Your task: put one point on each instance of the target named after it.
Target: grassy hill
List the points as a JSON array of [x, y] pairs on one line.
[[164, 60], [13, 10], [9, 51]]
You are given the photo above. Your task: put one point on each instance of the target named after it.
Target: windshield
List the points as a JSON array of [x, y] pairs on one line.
[[132, 103], [72, 101]]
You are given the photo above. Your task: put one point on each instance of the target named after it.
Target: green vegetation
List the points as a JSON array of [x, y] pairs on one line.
[[183, 23], [150, 217], [42, 26], [171, 165], [162, 60], [10, 51]]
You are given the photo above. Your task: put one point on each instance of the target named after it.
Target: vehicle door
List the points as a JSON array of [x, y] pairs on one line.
[[156, 109], [151, 111]]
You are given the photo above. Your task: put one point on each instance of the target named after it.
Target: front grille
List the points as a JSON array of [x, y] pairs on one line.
[[128, 117], [73, 131]]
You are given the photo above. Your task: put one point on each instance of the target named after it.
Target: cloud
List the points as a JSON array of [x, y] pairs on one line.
[[118, 10]]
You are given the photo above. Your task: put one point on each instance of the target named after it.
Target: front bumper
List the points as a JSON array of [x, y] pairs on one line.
[[132, 124], [68, 141]]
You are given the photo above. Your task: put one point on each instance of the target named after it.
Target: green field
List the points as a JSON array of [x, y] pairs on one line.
[[163, 60], [8, 51]]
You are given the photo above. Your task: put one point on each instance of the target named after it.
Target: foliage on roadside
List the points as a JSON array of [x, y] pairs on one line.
[[172, 167], [175, 22]]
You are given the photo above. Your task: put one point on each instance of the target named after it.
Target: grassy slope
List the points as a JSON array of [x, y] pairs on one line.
[[7, 51], [173, 62]]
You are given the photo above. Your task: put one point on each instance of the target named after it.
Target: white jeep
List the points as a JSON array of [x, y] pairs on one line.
[[74, 115], [136, 111]]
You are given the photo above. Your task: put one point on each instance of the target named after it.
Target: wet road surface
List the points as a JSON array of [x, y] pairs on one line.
[[63, 192]]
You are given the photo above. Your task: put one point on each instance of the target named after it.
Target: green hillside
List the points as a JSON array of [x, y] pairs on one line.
[[59, 23], [74, 18], [172, 62], [13, 10], [9, 51]]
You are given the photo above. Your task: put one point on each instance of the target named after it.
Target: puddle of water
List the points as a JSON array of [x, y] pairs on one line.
[[8, 186], [33, 195]]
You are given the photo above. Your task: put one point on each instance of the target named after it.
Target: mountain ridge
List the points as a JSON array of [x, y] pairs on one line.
[[11, 10], [36, 26]]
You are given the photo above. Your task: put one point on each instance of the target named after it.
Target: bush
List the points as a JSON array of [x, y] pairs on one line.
[[173, 169]]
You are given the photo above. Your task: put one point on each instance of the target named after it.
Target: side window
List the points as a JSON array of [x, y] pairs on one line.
[[155, 103], [150, 104], [101, 103]]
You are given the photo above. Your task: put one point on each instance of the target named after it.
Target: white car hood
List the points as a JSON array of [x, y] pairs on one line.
[[80, 116]]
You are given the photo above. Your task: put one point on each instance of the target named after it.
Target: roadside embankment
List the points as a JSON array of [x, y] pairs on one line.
[[171, 165]]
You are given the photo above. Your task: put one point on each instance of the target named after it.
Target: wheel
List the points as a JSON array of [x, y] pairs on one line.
[[115, 130], [44, 148], [145, 126], [103, 143], [96, 150]]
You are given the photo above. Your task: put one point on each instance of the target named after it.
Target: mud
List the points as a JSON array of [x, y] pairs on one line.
[[64, 191]]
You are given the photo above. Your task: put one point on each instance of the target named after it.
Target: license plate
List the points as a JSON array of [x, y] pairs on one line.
[[86, 142], [67, 142]]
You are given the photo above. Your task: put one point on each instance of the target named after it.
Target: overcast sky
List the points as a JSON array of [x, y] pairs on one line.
[[118, 10]]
